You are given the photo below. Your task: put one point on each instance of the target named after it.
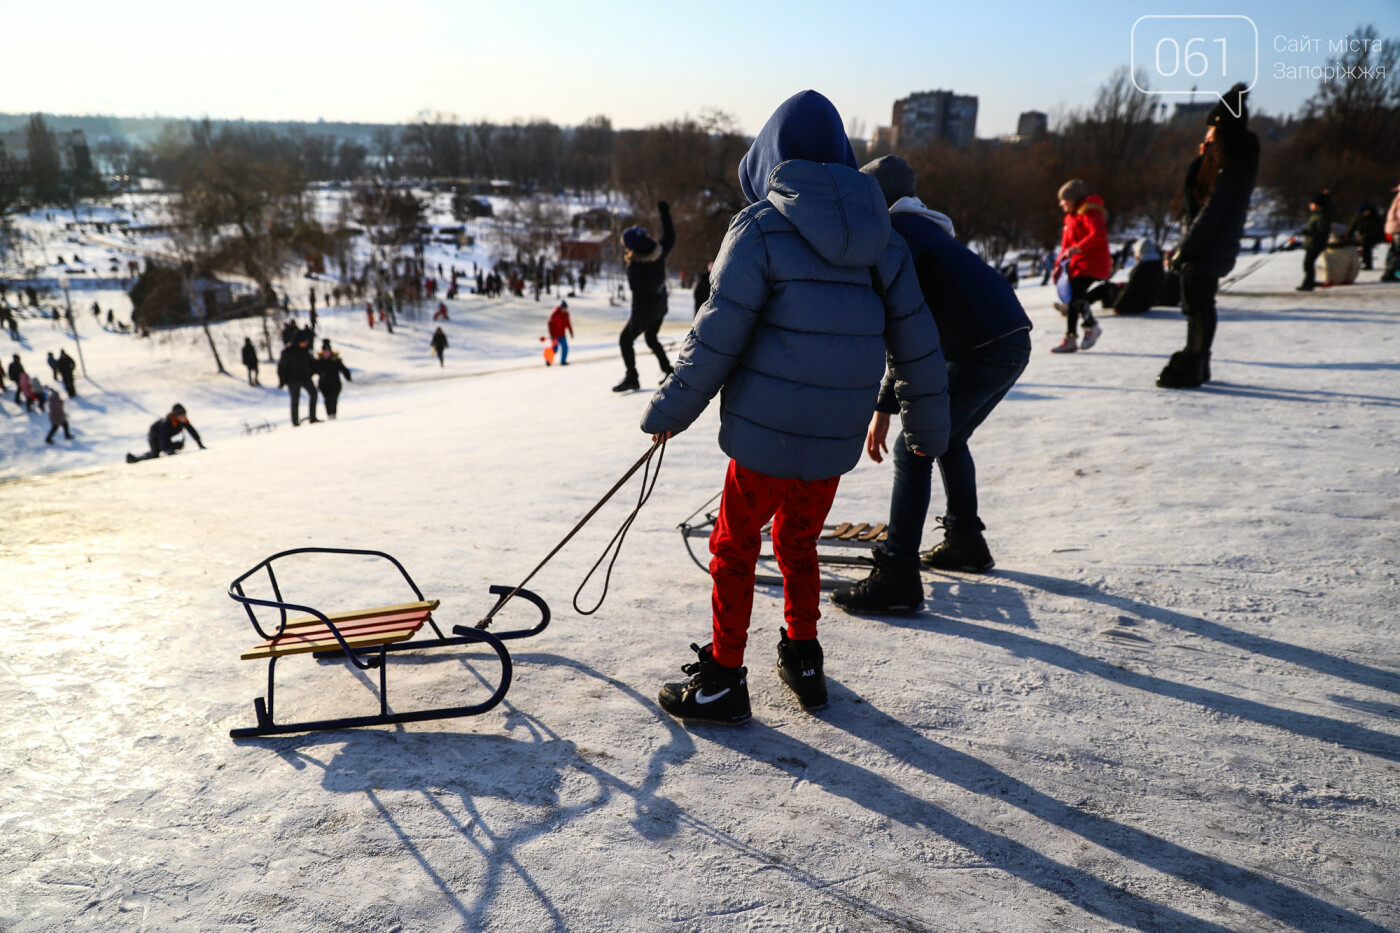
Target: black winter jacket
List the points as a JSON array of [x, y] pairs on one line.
[[163, 433], [295, 365], [329, 370], [646, 275], [1212, 240]]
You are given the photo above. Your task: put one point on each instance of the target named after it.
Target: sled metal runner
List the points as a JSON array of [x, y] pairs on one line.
[[845, 544], [364, 639]]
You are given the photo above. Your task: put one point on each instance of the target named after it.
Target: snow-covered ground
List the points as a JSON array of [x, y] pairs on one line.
[[1174, 705]]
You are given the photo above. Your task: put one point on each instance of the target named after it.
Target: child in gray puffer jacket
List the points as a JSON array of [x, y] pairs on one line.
[[812, 294]]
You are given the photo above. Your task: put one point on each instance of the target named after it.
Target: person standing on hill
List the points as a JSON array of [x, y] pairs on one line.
[[1392, 233], [1218, 186], [161, 436], [986, 342], [1084, 256], [294, 370], [646, 274], [250, 360], [1315, 234], [439, 344], [812, 297], [16, 369], [329, 369], [66, 368], [559, 325], [1366, 230]]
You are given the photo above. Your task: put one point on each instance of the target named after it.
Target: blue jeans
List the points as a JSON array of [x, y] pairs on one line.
[[977, 381], [561, 349]]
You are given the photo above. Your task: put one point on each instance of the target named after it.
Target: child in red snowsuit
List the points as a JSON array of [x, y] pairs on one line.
[[558, 324], [1086, 257]]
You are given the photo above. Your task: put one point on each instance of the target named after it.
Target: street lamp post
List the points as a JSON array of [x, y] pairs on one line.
[[73, 323]]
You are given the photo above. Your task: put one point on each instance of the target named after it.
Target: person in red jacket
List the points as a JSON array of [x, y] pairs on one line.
[[1084, 256], [559, 324]]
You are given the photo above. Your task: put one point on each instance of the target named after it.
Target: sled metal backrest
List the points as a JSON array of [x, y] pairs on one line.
[[236, 593]]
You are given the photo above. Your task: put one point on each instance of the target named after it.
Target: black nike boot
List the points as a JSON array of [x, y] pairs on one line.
[[961, 549], [800, 667], [887, 589], [714, 693], [629, 383]]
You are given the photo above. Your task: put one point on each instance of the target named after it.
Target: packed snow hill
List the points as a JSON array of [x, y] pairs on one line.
[[1173, 704]]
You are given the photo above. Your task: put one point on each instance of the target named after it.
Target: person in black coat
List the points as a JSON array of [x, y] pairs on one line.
[[986, 345], [1218, 185], [702, 287], [66, 367], [329, 368], [646, 274], [15, 370], [250, 360], [162, 436], [1315, 236], [294, 370], [439, 345]]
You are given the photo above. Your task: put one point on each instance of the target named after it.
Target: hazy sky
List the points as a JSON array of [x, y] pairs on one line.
[[637, 62]]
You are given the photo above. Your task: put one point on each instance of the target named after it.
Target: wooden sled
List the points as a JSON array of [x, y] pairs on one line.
[[363, 638], [844, 544]]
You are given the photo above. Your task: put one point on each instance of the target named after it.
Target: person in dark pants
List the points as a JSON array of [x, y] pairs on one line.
[[329, 368], [1392, 233], [702, 287], [294, 370], [58, 418], [66, 367], [987, 345], [1366, 230], [1084, 256], [16, 369], [439, 345], [250, 360], [1218, 186], [1315, 235], [162, 436], [646, 274]]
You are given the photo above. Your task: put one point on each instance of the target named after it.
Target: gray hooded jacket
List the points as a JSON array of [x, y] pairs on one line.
[[797, 336]]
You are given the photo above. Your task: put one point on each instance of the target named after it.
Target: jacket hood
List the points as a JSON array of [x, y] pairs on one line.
[[837, 210], [1092, 203], [919, 208], [805, 126]]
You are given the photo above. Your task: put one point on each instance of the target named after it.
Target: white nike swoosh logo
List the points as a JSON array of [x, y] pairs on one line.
[[702, 699]]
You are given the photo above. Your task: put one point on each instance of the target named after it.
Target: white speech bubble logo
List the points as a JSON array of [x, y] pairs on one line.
[[1219, 48]]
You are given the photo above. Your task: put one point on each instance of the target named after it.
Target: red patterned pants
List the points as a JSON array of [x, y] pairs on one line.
[[798, 508]]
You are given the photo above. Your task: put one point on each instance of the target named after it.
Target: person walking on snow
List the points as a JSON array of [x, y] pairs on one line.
[[439, 344], [559, 324], [250, 361], [812, 293], [58, 418], [162, 436], [646, 274], [66, 368], [1084, 256], [329, 369], [986, 343], [1218, 186], [294, 370]]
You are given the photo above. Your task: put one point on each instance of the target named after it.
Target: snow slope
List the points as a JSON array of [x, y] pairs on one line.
[[1174, 704]]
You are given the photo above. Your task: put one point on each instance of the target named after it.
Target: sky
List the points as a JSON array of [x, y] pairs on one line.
[[638, 63]]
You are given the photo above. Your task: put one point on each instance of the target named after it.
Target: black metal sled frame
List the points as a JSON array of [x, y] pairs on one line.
[[364, 639], [846, 536]]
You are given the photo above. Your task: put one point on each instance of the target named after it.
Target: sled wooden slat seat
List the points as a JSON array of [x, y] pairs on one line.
[[361, 628], [835, 539]]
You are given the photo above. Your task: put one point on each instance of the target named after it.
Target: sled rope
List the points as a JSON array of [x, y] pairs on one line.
[[657, 449]]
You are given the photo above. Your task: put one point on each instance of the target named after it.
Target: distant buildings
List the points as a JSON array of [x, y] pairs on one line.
[[1032, 124], [928, 115]]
